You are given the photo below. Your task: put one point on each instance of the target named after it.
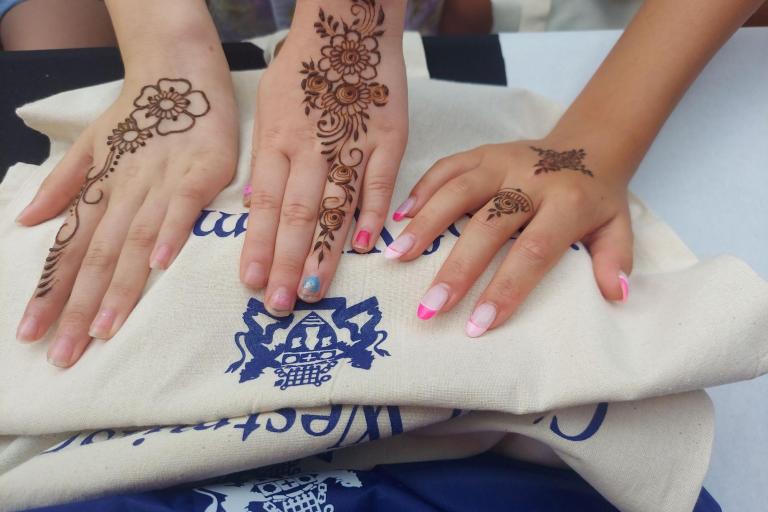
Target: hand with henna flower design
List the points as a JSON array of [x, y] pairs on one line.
[[331, 127], [134, 182]]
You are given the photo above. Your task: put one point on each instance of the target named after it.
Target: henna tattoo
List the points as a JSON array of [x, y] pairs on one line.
[[169, 106], [341, 87], [508, 201], [552, 160]]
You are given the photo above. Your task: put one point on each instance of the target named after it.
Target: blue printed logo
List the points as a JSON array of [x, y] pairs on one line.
[[302, 348]]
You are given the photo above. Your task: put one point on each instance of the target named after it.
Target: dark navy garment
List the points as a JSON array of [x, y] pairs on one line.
[[482, 483]]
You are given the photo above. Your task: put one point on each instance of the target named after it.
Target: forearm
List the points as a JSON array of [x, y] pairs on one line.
[[665, 47]]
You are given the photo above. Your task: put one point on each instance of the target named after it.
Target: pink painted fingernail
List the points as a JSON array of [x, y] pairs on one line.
[[280, 302], [400, 246], [624, 282], [403, 209], [61, 352], [27, 330], [362, 239], [247, 195], [160, 258], [102, 324], [433, 301], [254, 275], [480, 319]]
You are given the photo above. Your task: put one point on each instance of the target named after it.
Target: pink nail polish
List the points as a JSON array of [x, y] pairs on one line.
[[254, 275], [160, 257], [27, 330], [247, 190], [280, 302], [61, 352], [400, 246], [624, 283], [480, 320], [362, 239], [403, 209], [102, 324], [433, 301]]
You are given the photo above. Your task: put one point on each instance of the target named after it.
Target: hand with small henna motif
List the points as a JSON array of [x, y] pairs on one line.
[[330, 131]]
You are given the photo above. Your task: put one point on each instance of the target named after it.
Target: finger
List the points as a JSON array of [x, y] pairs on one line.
[[132, 269], [611, 250], [63, 183], [378, 184], [534, 253], [92, 280], [62, 264], [490, 228], [340, 198], [195, 191], [457, 197], [441, 172], [298, 218], [268, 181]]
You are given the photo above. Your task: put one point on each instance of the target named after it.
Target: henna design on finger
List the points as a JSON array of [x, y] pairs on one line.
[[169, 106], [508, 201], [552, 160], [341, 87]]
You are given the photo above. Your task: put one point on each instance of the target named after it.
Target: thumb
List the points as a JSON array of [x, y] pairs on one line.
[[611, 249]]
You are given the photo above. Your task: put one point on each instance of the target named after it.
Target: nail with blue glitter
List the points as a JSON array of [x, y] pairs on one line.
[[310, 287]]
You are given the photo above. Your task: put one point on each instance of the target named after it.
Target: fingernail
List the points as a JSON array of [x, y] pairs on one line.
[[433, 301], [403, 209], [247, 195], [102, 324], [27, 330], [160, 258], [310, 287], [254, 275], [61, 352], [480, 319], [400, 246], [21, 214], [624, 282], [362, 239], [280, 302]]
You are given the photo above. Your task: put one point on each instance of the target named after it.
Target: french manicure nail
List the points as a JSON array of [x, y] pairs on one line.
[[61, 352], [102, 324], [433, 301], [160, 257], [480, 319], [280, 302], [400, 246], [403, 209], [362, 239], [27, 330], [310, 287], [254, 275], [624, 283]]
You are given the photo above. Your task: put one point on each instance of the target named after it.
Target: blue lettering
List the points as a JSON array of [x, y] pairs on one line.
[[332, 419], [217, 425], [90, 437], [290, 418], [249, 426], [62, 445], [592, 428]]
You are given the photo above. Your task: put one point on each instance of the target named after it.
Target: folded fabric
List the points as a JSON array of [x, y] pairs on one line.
[[202, 381]]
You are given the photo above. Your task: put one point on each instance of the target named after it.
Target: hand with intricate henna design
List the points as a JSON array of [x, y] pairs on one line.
[[131, 188], [509, 187], [330, 132]]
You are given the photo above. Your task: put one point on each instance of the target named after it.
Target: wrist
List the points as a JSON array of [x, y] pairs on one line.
[[307, 15]]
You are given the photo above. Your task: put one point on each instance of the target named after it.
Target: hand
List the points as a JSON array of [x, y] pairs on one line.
[[330, 132], [134, 182], [553, 192]]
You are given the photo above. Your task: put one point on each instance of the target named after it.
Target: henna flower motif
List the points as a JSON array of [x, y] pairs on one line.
[[128, 137], [379, 94], [331, 219], [170, 106], [315, 83], [509, 200], [347, 99], [350, 57], [342, 175]]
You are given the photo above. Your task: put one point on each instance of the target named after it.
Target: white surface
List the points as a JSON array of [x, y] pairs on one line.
[[707, 176]]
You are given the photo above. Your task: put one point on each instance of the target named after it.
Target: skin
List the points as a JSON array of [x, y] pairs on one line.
[[615, 119]]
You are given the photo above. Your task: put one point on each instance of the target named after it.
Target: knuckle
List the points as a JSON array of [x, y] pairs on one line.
[[262, 200], [504, 290], [454, 267], [461, 185], [142, 236], [534, 248], [122, 289], [381, 186], [193, 192], [490, 226], [75, 315], [298, 214], [288, 267], [99, 257], [574, 197]]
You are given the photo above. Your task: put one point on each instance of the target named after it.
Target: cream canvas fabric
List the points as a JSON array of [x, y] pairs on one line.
[[200, 380]]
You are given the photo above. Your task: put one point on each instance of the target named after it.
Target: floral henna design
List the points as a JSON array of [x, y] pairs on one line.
[[169, 106], [341, 87], [508, 201], [552, 160]]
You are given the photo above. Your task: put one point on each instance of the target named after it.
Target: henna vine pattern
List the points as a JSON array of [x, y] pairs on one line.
[[552, 160], [508, 201], [169, 106], [340, 86]]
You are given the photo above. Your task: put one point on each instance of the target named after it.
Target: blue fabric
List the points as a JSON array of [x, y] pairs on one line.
[[483, 483], [5, 6]]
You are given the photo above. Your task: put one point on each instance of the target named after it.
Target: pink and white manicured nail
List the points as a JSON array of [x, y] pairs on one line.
[[480, 319], [60, 353], [400, 246], [247, 195], [624, 283], [280, 303], [102, 324], [161, 257], [403, 209], [433, 301]]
